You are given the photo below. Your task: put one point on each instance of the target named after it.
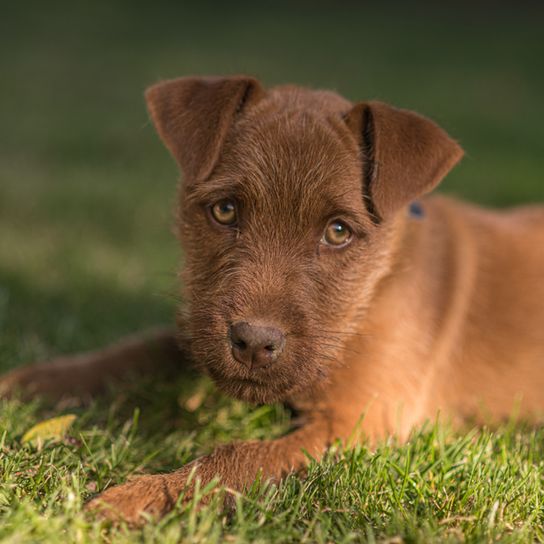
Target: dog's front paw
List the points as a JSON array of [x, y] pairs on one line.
[[53, 379], [20, 380], [146, 496], [130, 502]]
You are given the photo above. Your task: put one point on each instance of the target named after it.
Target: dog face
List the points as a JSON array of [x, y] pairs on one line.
[[286, 215]]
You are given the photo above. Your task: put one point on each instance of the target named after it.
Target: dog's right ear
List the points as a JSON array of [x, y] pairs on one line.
[[405, 155], [193, 115]]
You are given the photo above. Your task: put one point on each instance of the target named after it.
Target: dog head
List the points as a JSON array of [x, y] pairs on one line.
[[287, 210]]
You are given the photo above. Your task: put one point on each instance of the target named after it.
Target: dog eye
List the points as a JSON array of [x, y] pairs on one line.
[[224, 212], [336, 234]]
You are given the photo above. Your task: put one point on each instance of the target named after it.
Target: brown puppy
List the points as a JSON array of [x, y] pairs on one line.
[[310, 279]]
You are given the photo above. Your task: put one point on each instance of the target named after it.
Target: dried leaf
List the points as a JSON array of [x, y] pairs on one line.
[[49, 429]]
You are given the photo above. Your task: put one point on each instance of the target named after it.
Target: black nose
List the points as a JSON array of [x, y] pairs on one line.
[[255, 346]]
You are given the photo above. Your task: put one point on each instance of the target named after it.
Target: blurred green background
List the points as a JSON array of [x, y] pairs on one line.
[[86, 188]]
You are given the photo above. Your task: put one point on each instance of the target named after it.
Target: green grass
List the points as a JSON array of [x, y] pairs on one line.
[[440, 486], [86, 255]]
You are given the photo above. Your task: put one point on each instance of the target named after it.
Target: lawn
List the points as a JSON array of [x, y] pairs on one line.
[[86, 255]]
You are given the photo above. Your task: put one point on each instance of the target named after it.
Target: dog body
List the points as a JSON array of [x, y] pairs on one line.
[[455, 329], [311, 277]]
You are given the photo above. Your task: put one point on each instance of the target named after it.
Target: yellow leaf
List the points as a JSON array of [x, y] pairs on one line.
[[50, 428]]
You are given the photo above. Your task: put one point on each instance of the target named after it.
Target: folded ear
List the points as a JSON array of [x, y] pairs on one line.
[[193, 115], [404, 155]]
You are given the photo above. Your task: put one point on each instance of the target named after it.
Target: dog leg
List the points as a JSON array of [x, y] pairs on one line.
[[87, 373], [235, 466]]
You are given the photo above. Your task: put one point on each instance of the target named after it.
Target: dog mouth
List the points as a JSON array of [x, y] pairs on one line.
[[257, 386], [259, 380], [292, 374], [257, 360]]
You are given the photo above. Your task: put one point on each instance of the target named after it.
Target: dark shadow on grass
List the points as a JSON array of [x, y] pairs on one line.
[[84, 314]]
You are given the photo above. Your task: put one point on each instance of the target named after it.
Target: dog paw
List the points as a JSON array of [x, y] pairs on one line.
[[142, 498], [28, 382], [19, 380], [55, 379], [133, 502]]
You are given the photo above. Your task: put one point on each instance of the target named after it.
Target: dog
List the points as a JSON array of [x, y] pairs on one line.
[[317, 274]]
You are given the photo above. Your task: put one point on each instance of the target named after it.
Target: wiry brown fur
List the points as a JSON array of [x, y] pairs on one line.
[[416, 316]]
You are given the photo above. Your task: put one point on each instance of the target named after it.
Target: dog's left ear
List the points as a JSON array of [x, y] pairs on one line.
[[194, 114], [404, 155]]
